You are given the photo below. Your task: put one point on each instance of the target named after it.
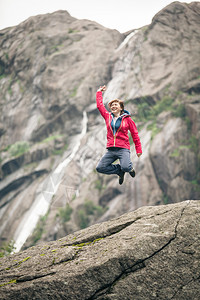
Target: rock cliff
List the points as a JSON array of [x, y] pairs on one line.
[[150, 253], [52, 135]]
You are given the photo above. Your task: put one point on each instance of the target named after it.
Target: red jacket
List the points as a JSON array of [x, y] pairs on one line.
[[117, 135]]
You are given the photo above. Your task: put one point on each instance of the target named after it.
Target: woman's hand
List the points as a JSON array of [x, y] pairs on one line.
[[101, 88], [139, 154]]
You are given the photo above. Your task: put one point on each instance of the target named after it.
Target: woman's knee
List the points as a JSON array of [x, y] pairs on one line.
[[100, 168], [126, 168]]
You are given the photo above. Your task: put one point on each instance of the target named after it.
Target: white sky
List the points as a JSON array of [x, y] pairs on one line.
[[122, 15]]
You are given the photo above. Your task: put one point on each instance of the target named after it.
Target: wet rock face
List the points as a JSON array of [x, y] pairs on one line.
[[151, 252], [172, 167], [158, 57], [48, 75], [50, 68]]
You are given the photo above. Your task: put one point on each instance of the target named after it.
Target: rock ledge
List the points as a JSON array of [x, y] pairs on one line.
[[150, 253]]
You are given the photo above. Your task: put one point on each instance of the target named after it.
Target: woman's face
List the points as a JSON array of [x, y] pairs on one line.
[[115, 108]]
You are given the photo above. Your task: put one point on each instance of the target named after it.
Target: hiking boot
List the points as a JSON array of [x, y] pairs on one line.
[[121, 177], [132, 173]]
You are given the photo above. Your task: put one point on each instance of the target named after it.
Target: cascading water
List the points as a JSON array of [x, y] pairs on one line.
[[126, 40], [129, 49], [43, 200]]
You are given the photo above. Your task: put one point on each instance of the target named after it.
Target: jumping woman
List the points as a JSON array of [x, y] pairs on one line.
[[118, 124]]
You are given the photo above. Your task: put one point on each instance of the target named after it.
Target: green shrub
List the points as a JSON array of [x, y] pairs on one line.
[[2, 69], [73, 196], [83, 219], [7, 248], [154, 129], [18, 148], [163, 105], [54, 137], [179, 111], [39, 229], [100, 210], [6, 56], [189, 124], [165, 199], [65, 213], [194, 144], [74, 92], [196, 185], [2, 75], [98, 184], [72, 30], [175, 153], [60, 151], [148, 112], [88, 209], [144, 111], [51, 138]]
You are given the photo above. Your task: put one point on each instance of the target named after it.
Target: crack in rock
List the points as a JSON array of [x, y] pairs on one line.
[[110, 231], [183, 286], [139, 264], [136, 266], [33, 277]]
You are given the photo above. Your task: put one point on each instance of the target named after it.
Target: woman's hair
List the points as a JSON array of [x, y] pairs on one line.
[[121, 103]]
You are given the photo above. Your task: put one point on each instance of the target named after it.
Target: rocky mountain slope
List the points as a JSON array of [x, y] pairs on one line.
[[149, 253], [52, 135]]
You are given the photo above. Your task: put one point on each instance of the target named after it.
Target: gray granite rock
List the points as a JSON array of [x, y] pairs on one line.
[[150, 253]]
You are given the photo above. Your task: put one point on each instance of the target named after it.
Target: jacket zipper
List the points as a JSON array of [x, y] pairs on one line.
[[112, 130], [114, 135], [117, 132]]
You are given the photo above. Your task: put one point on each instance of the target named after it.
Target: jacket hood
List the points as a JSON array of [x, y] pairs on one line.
[[125, 114]]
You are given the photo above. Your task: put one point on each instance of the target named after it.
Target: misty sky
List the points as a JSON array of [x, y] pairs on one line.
[[122, 15]]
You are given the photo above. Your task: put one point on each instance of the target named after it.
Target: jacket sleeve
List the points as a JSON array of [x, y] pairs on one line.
[[135, 136], [99, 99]]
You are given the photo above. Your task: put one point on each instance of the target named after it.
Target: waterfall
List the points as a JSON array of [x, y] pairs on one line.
[[43, 199], [126, 40], [124, 66]]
